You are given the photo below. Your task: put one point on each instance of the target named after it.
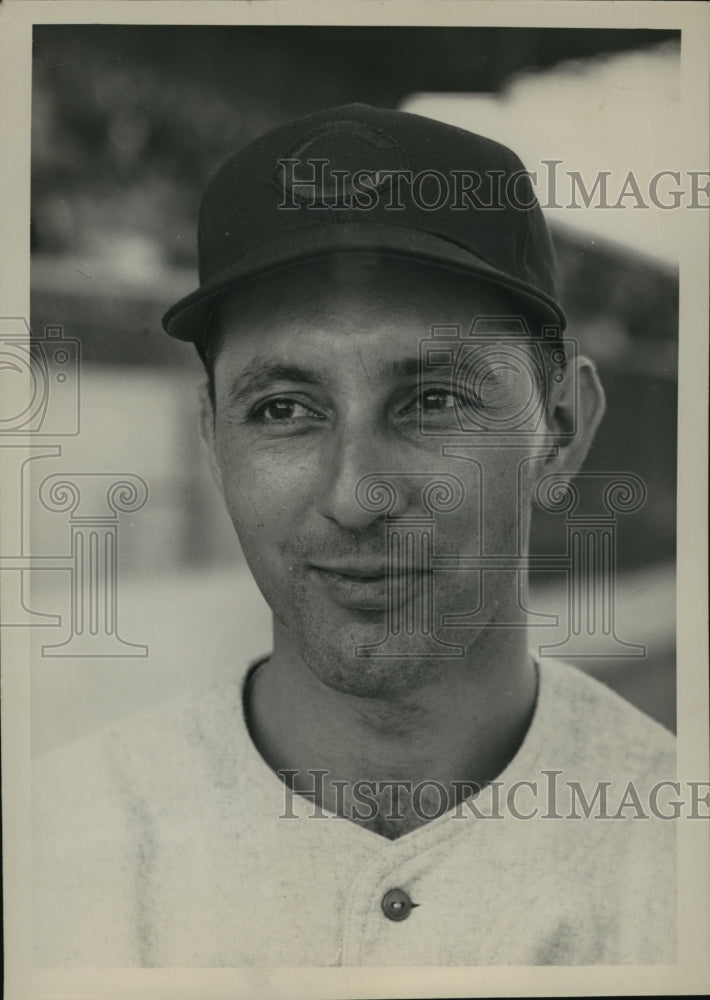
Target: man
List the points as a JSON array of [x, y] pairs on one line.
[[400, 781]]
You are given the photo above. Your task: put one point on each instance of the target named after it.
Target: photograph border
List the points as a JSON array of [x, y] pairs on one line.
[[691, 975]]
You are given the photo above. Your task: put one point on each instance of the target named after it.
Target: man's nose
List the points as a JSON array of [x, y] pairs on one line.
[[346, 459]]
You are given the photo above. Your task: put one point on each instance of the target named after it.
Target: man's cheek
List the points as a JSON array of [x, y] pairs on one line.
[[459, 533], [265, 521], [247, 511], [252, 521]]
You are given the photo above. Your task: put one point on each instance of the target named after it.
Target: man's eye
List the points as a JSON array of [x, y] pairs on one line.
[[444, 401], [436, 400], [282, 411]]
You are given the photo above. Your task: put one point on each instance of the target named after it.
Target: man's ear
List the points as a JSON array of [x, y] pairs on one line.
[[575, 409], [207, 434]]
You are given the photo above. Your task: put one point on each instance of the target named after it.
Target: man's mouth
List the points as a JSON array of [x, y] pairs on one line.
[[355, 571], [368, 587]]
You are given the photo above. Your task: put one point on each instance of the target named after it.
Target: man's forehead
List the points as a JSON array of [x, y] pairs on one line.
[[323, 354]]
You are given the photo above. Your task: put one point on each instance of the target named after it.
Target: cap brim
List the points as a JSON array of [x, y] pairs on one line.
[[187, 319]]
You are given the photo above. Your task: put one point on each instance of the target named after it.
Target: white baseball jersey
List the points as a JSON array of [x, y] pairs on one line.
[[166, 840]]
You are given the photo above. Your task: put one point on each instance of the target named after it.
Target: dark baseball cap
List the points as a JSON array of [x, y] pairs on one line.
[[364, 178]]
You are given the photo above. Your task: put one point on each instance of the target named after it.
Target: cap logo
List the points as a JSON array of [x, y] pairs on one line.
[[335, 163]]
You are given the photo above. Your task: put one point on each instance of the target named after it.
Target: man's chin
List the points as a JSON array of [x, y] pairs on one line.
[[362, 661]]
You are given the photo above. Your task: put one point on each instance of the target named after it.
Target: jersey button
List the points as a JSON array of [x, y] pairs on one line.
[[396, 904]]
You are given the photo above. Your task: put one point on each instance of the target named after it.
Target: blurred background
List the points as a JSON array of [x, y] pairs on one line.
[[128, 125]]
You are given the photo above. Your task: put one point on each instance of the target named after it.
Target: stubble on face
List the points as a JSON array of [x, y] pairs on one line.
[[347, 320]]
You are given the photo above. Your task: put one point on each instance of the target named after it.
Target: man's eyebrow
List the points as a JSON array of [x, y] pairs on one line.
[[258, 375], [262, 375], [402, 368]]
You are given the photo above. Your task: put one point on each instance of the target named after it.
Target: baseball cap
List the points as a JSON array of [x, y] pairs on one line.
[[364, 178]]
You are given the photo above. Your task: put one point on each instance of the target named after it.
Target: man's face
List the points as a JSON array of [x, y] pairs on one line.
[[317, 386]]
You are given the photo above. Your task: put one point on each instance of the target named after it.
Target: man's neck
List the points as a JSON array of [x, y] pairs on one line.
[[410, 756]]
